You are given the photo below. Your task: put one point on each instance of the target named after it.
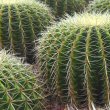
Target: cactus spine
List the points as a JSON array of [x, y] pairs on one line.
[[74, 59], [19, 89], [20, 24]]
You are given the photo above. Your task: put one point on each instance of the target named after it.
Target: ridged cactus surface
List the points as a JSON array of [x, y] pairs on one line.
[[99, 6], [61, 7], [19, 89], [20, 24], [74, 59]]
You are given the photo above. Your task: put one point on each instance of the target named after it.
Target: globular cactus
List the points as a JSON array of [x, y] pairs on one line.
[[19, 89], [60, 7], [74, 59], [99, 6], [20, 24]]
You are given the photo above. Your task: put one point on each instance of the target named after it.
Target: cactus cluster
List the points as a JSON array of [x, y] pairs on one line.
[[99, 6], [20, 24], [60, 7], [74, 59], [19, 88]]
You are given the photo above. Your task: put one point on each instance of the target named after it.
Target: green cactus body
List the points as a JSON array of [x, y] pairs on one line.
[[74, 59], [99, 6], [20, 24], [61, 7], [51, 3], [75, 6], [19, 89]]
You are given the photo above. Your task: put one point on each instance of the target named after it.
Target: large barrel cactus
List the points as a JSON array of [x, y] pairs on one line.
[[19, 89], [74, 59], [21, 22], [99, 6], [60, 7]]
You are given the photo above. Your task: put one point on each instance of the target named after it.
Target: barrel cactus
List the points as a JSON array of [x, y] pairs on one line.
[[60, 7], [99, 6], [74, 58], [21, 22], [19, 89]]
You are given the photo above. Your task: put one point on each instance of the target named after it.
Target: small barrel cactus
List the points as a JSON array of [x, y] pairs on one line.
[[99, 6], [74, 58], [19, 89], [60, 7], [21, 22]]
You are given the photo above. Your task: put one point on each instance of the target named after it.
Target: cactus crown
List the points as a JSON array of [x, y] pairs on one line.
[[74, 59], [21, 22], [19, 89], [16, 1], [99, 6], [87, 20]]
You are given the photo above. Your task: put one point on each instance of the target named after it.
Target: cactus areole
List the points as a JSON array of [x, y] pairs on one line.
[[74, 57], [21, 22]]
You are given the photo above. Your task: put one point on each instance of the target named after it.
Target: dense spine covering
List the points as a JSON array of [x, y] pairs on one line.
[[20, 24], [99, 6], [74, 58], [61, 7], [19, 89]]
